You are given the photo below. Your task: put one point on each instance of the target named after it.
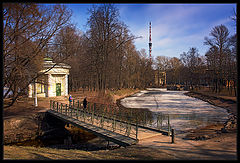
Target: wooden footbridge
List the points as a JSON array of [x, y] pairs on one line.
[[112, 123]]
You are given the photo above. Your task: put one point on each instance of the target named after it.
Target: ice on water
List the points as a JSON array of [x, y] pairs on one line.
[[174, 103]]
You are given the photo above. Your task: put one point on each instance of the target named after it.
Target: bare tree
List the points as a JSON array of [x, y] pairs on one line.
[[173, 71], [193, 62], [106, 36], [67, 47], [217, 56], [27, 29]]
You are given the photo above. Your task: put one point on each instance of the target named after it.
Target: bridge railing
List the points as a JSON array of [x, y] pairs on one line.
[[120, 120], [142, 117], [103, 116]]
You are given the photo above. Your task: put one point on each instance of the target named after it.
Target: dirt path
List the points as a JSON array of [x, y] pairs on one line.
[[220, 147]]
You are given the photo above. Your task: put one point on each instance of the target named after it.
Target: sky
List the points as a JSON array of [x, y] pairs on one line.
[[175, 27]]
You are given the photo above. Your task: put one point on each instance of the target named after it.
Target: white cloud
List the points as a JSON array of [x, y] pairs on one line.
[[175, 28]]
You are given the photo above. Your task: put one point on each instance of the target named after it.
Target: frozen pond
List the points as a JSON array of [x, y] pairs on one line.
[[185, 112]]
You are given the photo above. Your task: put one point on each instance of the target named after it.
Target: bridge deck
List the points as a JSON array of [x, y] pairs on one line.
[[122, 129], [106, 134]]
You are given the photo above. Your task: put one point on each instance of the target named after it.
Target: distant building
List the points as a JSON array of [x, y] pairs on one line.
[[53, 83], [160, 78]]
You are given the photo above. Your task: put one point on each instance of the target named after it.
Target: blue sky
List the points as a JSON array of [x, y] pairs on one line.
[[175, 27]]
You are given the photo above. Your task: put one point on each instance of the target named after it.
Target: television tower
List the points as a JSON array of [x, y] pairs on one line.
[[150, 43]]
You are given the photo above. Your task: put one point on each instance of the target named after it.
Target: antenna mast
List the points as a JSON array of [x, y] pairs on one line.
[[150, 42]]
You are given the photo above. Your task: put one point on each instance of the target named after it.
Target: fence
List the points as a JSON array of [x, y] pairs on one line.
[[119, 120], [98, 116]]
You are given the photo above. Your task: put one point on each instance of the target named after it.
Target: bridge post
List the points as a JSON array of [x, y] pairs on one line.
[[50, 104], [157, 120], [101, 120], [57, 106], [120, 123], [74, 111], [127, 126], [93, 115], [107, 114], [97, 117], [136, 129], [61, 107], [168, 126], [130, 125], [94, 106], [173, 134], [114, 123], [66, 109], [73, 102], [53, 103], [77, 112], [78, 104], [84, 114], [88, 107]]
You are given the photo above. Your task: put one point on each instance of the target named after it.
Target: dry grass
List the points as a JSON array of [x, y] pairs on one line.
[[223, 94], [33, 153], [117, 94], [135, 152], [103, 97]]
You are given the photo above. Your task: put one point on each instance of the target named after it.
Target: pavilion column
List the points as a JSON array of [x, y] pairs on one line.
[[49, 86], [66, 85], [30, 91]]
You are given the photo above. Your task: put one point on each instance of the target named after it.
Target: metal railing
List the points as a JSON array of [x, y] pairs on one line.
[[119, 120], [102, 116]]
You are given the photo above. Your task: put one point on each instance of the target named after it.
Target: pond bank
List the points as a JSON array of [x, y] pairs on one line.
[[229, 126]]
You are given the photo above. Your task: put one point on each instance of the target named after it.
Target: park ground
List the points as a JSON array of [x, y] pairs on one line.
[[219, 146]]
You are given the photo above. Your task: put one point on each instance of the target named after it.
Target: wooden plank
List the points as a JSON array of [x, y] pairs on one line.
[[106, 134]]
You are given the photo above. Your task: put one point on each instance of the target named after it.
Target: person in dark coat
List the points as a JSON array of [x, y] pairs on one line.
[[70, 99], [85, 103]]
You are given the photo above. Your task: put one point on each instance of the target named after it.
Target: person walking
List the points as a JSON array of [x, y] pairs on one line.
[[70, 99], [85, 102]]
